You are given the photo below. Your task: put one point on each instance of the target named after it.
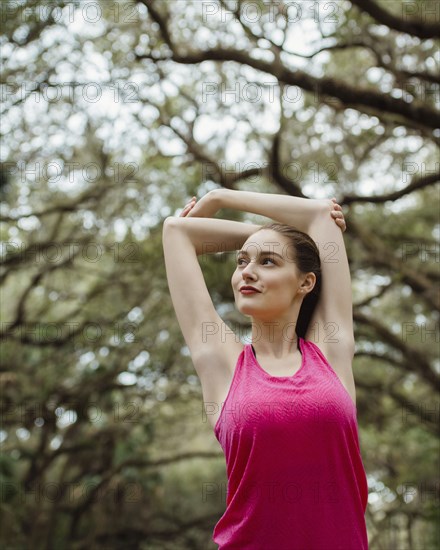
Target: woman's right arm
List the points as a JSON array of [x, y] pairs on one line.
[[185, 238]]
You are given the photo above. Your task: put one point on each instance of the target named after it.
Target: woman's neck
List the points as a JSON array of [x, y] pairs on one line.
[[272, 338]]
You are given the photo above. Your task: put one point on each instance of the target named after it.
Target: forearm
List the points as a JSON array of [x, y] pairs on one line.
[[285, 209], [210, 235]]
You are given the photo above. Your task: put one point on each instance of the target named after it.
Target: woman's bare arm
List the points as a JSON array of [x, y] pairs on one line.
[[210, 235], [285, 209], [332, 322], [204, 331]]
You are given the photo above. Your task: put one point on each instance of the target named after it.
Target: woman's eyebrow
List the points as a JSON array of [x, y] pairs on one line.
[[262, 253]]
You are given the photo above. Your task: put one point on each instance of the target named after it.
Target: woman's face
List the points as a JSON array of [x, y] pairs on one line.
[[266, 263]]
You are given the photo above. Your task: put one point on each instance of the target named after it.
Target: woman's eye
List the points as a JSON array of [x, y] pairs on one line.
[[242, 261]]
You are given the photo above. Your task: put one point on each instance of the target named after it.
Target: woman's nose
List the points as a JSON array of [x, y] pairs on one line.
[[248, 271]]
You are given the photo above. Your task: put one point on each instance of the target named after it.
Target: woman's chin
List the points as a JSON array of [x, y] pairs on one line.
[[254, 313], [260, 314]]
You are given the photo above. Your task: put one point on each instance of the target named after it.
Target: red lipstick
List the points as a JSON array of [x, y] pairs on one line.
[[246, 289]]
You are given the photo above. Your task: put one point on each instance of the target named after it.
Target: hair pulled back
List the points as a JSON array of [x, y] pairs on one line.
[[307, 260]]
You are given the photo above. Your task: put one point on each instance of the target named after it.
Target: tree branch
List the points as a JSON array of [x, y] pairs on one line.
[[291, 187], [417, 280], [411, 407], [362, 99], [409, 25], [416, 184], [415, 361]]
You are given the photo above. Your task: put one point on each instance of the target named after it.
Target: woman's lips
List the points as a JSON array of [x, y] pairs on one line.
[[249, 291]]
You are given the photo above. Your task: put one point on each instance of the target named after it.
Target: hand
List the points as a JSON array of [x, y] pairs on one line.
[[206, 207], [188, 207], [338, 216]]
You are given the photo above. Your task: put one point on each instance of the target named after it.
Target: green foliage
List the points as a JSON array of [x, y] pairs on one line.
[[104, 439]]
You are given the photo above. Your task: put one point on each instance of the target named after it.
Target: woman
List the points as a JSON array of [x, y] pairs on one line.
[[283, 408]]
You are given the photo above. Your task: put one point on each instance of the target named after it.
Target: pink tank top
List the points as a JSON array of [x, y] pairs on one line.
[[296, 480]]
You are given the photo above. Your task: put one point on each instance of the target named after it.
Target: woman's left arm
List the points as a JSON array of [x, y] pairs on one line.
[[294, 211], [331, 326]]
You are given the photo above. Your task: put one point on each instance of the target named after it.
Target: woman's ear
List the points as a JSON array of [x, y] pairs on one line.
[[307, 284]]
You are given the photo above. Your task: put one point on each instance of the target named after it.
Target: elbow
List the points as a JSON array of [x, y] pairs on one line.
[[169, 223]]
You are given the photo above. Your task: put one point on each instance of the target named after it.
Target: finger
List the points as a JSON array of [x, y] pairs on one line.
[[189, 204], [341, 224], [335, 205], [186, 209], [339, 218]]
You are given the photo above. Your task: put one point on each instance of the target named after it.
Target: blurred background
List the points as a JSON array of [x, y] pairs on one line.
[[114, 113]]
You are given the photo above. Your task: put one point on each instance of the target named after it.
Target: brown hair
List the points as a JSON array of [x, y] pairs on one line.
[[307, 260]]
